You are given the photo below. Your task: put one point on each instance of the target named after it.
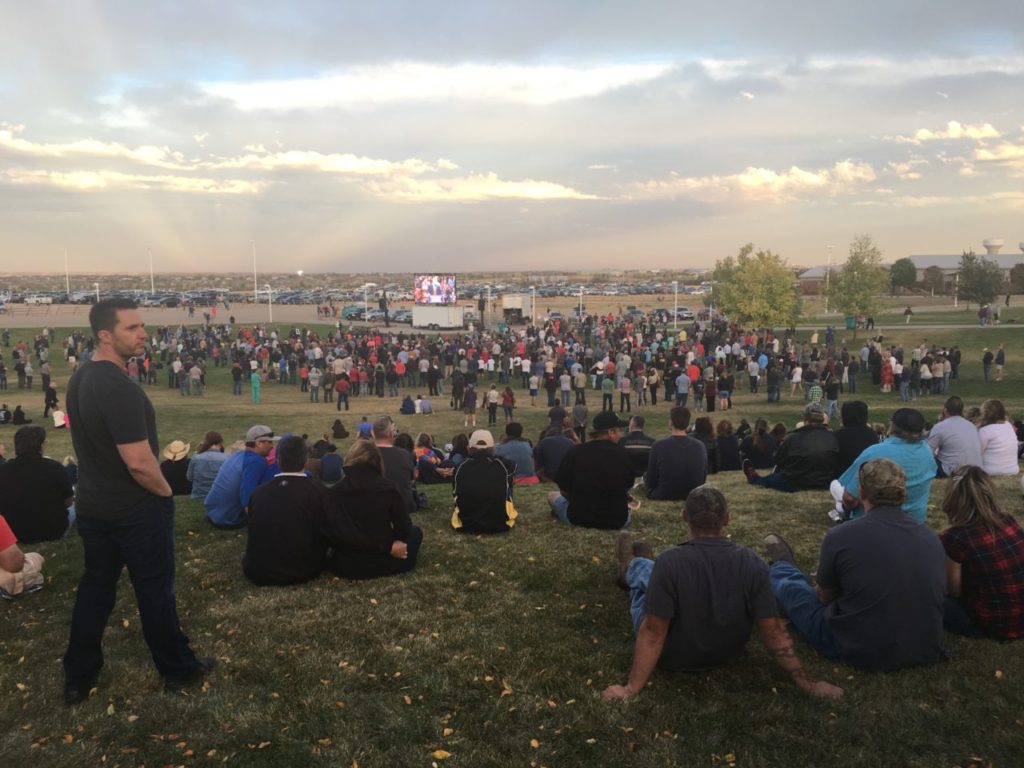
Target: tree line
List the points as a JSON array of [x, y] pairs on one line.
[[759, 289]]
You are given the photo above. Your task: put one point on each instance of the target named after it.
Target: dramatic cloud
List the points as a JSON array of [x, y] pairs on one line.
[[471, 189], [534, 131], [345, 163], [760, 184], [954, 130], [89, 181], [421, 82], [160, 157]]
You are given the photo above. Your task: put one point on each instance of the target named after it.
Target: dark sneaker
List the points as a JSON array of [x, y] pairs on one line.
[[643, 549], [623, 554], [776, 548], [10, 597], [76, 694], [748, 470], [205, 665]]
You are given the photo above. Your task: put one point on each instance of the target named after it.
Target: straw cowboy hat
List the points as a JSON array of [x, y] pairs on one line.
[[177, 450]]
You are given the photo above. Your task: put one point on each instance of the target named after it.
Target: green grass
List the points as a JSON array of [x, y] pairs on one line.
[[490, 645]]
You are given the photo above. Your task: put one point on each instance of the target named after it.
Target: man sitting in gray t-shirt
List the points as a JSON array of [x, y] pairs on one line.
[[695, 606], [954, 440]]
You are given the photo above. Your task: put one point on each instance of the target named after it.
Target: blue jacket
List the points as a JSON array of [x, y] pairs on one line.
[[238, 477]]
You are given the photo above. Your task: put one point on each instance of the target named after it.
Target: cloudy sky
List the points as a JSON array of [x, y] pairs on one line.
[[393, 136]]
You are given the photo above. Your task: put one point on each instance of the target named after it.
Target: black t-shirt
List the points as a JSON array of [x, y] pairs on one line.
[[550, 451], [595, 477], [176, 475], [677, 465], [107, 409], [712, 591], [889, 575], [399, 468], [32, 494]]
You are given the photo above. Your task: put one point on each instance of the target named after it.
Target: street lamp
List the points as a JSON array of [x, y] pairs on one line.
[[97, 287], [366, 286], [675, 310], [270, 302], [828, 272], [533, 304], [487, 308], [255, 289], [579, 315]]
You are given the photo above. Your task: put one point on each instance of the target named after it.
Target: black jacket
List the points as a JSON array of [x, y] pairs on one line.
[[638, 446], [483, 492], [809, 457]]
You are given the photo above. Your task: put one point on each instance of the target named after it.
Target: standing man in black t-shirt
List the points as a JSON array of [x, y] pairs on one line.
[[125, 509]]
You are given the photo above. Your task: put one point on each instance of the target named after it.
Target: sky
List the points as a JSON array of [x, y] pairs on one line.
[[469, 135]]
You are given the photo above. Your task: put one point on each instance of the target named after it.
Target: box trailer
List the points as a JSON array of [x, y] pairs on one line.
[[516, 307], [438, 316]]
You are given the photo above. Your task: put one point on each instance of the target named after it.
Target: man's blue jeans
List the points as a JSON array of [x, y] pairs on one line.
[[560, 510], [776, 481], [143, 541], [638, 574], [799, 602]]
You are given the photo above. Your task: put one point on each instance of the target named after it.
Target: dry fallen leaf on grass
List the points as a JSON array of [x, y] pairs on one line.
[[440, 754]]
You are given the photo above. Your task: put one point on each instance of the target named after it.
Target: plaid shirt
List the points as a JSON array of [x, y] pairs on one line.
[[992, 575]]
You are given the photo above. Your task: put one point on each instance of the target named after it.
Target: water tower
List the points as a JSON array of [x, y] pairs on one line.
[[993, 245]]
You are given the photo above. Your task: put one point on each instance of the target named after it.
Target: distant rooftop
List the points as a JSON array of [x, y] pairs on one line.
[[952, 261]]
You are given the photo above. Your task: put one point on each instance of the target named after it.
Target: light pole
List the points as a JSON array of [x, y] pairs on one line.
[[828, 273], [487, 308], [255, 286], [579, 315], [675, 309], [533, 304], [152, 285], [97, 287], [956, 290], [366, 286], [67, 275], [270, 303]]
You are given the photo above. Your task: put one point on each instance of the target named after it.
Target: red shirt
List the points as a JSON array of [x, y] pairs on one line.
[[7, 537], [992, 575]]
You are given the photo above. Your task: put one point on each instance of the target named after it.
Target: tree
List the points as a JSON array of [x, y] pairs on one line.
[[856, 288], [935, 280], [1017, 278], [757, 290], [902, 274], [980, 280]]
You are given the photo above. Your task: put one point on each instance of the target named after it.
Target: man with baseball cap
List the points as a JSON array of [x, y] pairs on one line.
[[807, 458], [482, 487], [881, 590], [594, 479], [227, 503], [906, 446]]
